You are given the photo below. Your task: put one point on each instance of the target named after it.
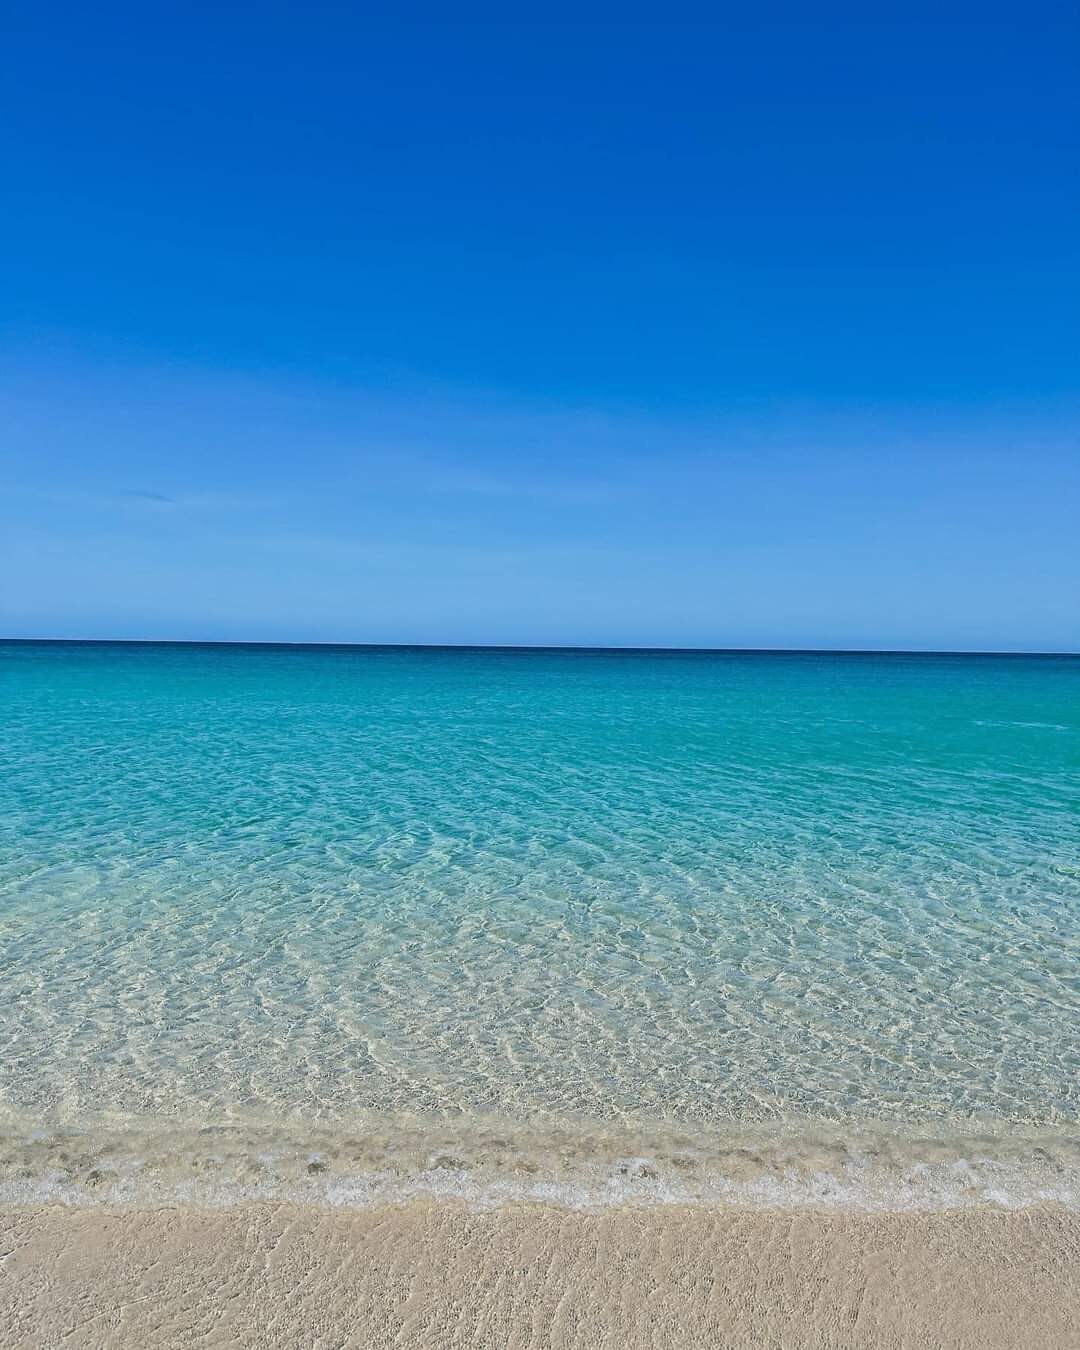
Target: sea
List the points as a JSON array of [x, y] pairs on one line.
[[344, 925]]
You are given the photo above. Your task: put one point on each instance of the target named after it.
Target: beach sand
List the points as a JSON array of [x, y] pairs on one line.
[[435, 1274]]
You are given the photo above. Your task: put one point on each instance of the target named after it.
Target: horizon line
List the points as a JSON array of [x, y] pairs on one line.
[[599, 649]]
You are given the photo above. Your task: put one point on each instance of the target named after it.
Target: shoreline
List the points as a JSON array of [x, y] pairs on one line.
[[490, 1161], [493, 1161], [437, 1274]]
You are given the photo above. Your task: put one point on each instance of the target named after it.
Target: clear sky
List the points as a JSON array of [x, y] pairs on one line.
[[756, 332]]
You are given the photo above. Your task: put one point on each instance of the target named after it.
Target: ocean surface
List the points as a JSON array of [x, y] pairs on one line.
[[346, 923]]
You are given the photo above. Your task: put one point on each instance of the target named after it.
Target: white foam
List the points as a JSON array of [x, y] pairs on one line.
[[960, 1184]]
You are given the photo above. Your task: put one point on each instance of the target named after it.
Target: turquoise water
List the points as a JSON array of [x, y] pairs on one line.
[[406, 912]]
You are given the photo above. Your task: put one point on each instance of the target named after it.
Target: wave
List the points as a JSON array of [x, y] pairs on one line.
[[486, 1162]]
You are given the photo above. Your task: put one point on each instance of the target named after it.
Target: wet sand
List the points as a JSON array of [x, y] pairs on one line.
[[436, 1275]]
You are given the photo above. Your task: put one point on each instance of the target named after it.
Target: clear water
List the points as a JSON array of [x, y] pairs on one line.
[[398, 912]]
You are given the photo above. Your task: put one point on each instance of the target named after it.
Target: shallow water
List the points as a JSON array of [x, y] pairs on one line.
[[620, 896]]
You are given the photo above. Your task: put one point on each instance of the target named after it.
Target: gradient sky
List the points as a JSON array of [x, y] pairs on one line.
[[747, 333]]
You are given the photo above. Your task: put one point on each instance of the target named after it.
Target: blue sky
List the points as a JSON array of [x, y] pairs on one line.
[[322, 327]]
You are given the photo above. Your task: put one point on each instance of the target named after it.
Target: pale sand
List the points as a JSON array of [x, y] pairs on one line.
[[435, 1275]]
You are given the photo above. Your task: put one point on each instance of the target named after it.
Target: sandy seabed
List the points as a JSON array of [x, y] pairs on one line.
[[436, 1274]]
